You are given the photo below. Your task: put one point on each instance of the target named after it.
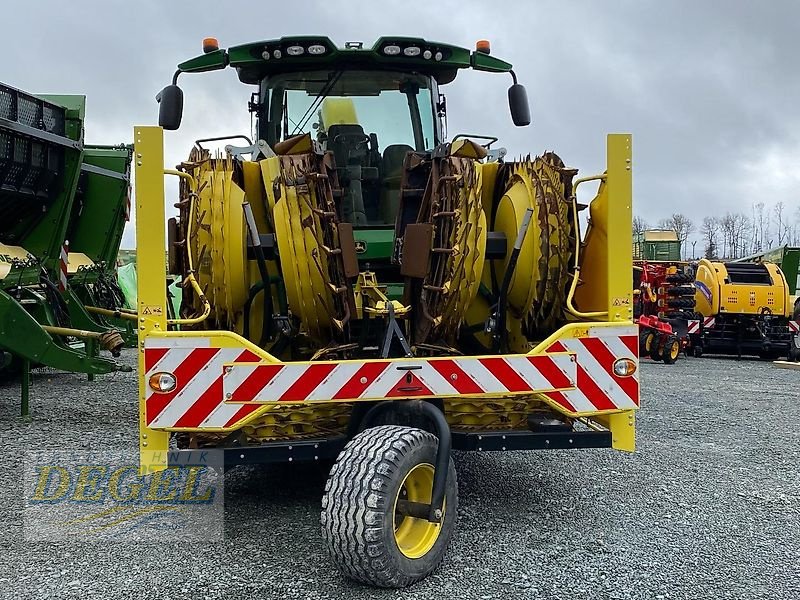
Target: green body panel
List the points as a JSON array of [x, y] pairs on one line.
[[75, 105], [45, 239], [99, 212], [126, 276], [46, 143], [394, 291], [377, 244], [485, 62]]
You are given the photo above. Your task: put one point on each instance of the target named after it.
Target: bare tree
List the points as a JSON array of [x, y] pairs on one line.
[[743, 225], [681, 225], [782, 226], [710, 231], [759, 226], [795, 229], [726, 226], [639, 226]]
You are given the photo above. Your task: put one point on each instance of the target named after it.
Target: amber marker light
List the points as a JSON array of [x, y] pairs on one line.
[[210, 44], [483, 46]]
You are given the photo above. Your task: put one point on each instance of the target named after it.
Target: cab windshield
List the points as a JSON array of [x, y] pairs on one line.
[[368, 120], [393, 107]]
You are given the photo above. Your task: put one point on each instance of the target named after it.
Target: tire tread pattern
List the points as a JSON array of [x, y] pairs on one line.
[[352, 515]]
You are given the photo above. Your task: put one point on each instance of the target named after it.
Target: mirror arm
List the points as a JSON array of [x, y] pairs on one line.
[[178, 72], [513, 76]]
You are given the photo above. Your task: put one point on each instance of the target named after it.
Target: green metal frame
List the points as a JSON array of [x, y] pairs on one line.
[[22, 335]]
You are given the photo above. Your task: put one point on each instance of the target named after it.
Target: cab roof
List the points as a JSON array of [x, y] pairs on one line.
[[256, 60]]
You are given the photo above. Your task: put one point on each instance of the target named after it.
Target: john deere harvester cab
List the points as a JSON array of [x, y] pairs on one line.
[[42, 158], [361, 286]]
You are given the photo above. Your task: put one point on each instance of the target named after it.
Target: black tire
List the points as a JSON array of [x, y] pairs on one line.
[[681, 303], [684, 291], [697, 351], [672, 350], [679, 278], [648, 342], [656, 348], [642, 341], [358, 519]]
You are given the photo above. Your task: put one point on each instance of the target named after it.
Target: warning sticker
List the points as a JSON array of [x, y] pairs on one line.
[[152, 310], [622, 301]]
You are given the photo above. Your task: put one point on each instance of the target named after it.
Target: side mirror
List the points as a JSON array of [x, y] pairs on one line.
[[518, 105], [170, 109]]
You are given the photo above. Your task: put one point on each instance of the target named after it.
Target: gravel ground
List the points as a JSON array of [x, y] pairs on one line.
[[708, 506]]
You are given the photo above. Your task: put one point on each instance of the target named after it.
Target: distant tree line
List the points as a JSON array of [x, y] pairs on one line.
[[734, 234]]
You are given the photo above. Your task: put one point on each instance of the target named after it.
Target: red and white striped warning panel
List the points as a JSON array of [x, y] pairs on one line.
[[380, 379], [63, 262], [599, 388], [694, 324], [218, 387], [794, 326]]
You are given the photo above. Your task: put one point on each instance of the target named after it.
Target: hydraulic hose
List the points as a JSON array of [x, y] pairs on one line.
[[190, 279], [117, 313]]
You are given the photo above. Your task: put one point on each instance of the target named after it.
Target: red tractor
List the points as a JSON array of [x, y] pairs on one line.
[[663, 306]]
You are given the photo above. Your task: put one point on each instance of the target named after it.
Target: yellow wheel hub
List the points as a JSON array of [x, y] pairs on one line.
[[415, 537], [648, 342], [674, 350]]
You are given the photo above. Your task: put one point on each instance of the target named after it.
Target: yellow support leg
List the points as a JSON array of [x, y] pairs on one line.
[[622, 426], [151, 270], [619, 237]]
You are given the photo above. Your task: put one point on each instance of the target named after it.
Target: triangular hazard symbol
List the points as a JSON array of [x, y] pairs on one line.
[[409, 385]]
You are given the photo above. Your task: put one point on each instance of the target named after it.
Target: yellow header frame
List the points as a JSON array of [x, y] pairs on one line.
[[615, 263]]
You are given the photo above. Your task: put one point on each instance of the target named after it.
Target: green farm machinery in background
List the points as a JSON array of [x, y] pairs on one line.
[[63, 206], [99, 213]]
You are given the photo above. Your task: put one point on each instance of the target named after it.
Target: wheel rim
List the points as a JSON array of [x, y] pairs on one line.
[[674, 350], [648, 342], [415, 537]]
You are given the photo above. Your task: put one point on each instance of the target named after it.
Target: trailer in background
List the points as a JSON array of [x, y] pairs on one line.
[[657, 245]]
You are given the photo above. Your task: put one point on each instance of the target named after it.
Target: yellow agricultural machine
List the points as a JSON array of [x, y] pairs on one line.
[[360, 287], [743, 308]]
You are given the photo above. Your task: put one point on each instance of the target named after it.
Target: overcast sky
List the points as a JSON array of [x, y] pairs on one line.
[[709, 90]]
